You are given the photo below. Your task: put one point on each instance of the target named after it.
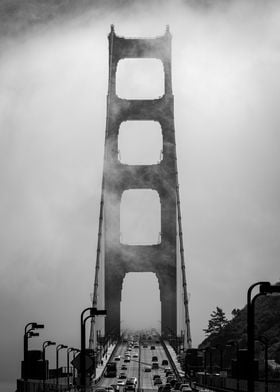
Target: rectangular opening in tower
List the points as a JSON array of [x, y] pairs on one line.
[[140, 217], [140, 302], [140, 142], [140, 78]]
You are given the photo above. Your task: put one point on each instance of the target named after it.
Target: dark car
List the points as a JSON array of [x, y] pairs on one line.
[[178, 384], [156, 376], [164, 362], [157, 381], [153, 348], [154, 358], [155, 365]]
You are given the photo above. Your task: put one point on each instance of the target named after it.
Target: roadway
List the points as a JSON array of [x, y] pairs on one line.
[[140, 359]]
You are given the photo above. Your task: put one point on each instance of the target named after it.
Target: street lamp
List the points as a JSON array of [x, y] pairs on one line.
[[68, 352], [45, 345], [204, 365], [263, 339], [75, 351], [235, 343], [219, 347], [264, 289], [93, 312], [28, 333], [58, 348]]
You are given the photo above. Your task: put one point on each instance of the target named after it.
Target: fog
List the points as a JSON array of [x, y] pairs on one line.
[[53, 86]]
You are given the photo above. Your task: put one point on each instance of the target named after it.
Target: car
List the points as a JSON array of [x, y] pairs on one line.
[[123, 367], [186, 389], [155, 365], [130, 384], [145, 345], [153, 348], [132, 379], [122, 375], [169, 373], [172, 382], [164, 388], [118, 358], [120, 382], [136, 345], [164, 362], [147, 369], [135, 356], [110, 389], [115, 387], [157, 381], [186, 384], [156, 376], [169, 379], [154, 358], [178, 384]]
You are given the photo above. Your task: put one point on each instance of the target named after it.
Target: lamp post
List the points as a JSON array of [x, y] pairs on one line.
[[75, 351], [58, 348], [204, 364], [263, 339], [235, 343], [28, 333], [68, 352], [93, 312], [219, 347], [45, 345], [264, 289]]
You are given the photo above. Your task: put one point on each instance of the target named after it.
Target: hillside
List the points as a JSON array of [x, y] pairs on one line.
[[267, 323]]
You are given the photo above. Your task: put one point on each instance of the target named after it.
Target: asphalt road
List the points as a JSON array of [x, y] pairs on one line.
[[135, 368]]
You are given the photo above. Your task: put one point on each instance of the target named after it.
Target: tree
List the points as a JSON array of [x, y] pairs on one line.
[[217, 322], [235, 312]]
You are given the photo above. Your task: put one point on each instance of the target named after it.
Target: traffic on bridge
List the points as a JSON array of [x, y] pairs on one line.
[[142, 363]]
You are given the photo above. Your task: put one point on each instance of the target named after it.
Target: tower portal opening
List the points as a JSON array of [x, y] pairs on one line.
[[140, 142], [140, 78], [140, 217], [140, 302]]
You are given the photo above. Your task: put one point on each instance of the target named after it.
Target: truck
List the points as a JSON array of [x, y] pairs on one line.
[[111, 370]]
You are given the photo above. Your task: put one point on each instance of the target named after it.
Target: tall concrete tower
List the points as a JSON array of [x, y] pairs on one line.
[[114, 258], [120, 258]]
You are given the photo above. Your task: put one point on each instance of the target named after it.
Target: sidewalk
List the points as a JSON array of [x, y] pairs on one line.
[[174, 358], [100, 368]]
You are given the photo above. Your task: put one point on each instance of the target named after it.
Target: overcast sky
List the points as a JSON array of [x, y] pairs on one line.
[[53, 86]]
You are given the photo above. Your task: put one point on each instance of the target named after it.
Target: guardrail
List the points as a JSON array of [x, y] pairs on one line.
[[170, 359]]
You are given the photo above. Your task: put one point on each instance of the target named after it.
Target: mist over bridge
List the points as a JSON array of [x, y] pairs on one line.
[[166, 258]]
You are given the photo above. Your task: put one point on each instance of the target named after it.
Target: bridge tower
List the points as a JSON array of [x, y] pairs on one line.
[[115, 259]]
